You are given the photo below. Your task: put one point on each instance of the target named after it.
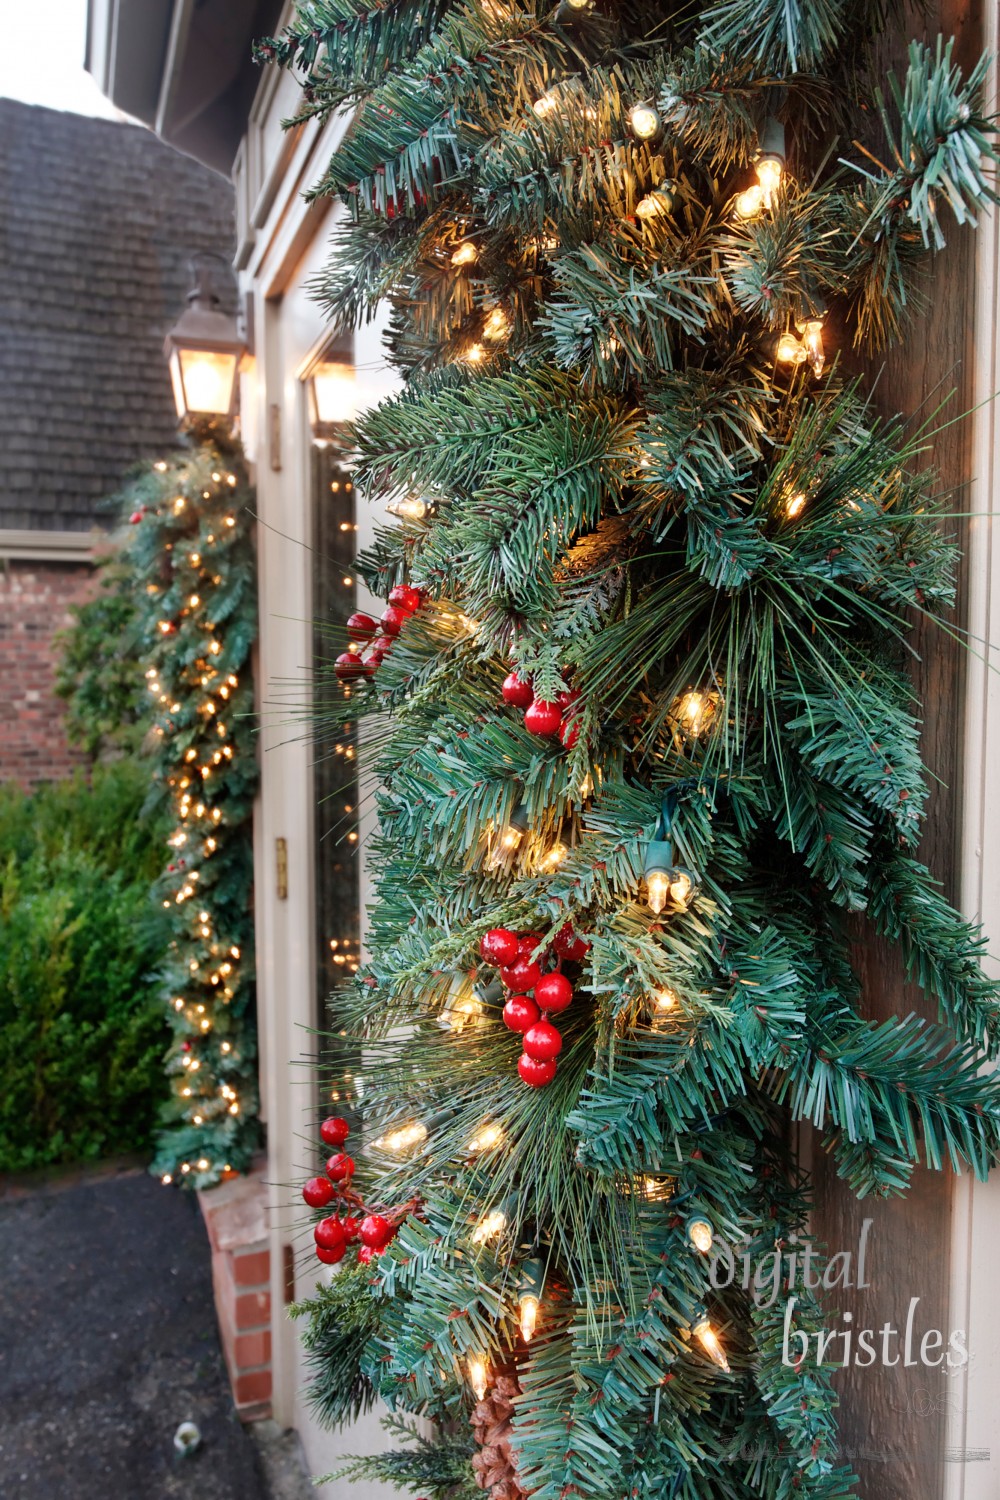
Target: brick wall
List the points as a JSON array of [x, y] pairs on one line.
[[235, 1217], [34, 604]]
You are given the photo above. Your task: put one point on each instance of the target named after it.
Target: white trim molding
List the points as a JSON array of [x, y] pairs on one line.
[[972, 1469], [50, 546]]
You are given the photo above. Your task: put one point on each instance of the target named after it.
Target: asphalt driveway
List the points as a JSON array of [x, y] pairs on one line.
[[107, 1343]]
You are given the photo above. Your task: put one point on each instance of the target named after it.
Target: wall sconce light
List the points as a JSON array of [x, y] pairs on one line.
[[204, 349], [331, 388]]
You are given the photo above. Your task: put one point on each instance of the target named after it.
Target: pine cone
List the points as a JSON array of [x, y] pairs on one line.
[[495, 1465]]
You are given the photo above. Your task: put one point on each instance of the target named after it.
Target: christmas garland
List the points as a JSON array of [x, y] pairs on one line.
[[191, 556], [647, 734]]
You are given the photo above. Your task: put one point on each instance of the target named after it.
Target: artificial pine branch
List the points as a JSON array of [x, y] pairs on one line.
[[636, 482]]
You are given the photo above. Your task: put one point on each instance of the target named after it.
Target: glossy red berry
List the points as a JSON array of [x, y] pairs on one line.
[[330, 1233], [527, 943], [393, 620], [332, 1256], [404, 598], [569, 733], [499, 946], [520, 1013], [334, 1130], [382, 645], [348, 666], [568, 697], [340, 1168], [136, 517], [535, 1074], [517, 690], [543, 718], [366, 1253], [351, 1227], [523, 975], [542, 1042], [375, 1231], [317, 1192], [553, 992], [569, 944], [361, 627]]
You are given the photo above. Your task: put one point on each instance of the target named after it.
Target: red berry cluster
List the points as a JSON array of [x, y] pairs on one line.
[[334, 1234], [540, 716], [533, 991], [374, 638]]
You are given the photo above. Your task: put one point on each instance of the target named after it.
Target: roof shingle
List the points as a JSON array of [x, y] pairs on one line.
[[98, 221]]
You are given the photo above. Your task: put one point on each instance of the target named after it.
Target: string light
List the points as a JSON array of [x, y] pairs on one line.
[[709, 1341], [664, 1001], [554, 858], [811, 330], [397, 1141], [546, 104], [497, 325], [794, 506], [466, 255], [749, 203], [487, 1138], [657, 891], [463, 1013], [644, 121], [699, 1232], [790, 351], [769, 173], [529, 1297], [478, 1376], [490, 1227], [694, 711], [657, 203], [409, 508]]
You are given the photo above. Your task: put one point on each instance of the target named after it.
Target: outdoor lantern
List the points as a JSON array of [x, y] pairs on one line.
[[331, 401], [204, 349]]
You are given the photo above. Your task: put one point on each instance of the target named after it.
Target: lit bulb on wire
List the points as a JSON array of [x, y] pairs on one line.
[[466, 254], [790, 351], [486, 1138], [657, 203], [644, 121], [490, 1226], [811, 331], [409, 508], [403, 1138], [710, 1343], [497, 325], [529, 1296], [749, 203], [478, 1375], [546, 104], [664, 1002], [699, 1232]]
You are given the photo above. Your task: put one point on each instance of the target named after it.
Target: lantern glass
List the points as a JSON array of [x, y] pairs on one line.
[[204, 381]]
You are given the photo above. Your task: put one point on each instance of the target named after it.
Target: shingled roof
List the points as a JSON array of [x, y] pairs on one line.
[[98, 221]]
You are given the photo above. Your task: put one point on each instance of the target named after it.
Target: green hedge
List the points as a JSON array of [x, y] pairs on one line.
[[81, 1030]]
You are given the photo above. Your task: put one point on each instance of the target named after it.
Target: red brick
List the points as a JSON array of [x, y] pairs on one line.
[[253, 1310], [252, 1350], [252, 1269], [252, 1388], [34, 605]]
